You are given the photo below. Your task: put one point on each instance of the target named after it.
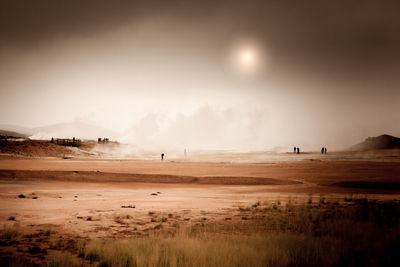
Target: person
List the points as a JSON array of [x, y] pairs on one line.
[[294, 150], [52, 139], [162, 156], [322, 150], [298, 150], [325, 150]]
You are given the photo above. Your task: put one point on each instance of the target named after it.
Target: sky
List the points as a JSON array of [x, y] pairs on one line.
[[252, 75]]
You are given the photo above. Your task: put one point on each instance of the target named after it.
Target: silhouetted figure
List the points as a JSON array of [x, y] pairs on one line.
[[294, 150], [99, 140], [52, 139], [322, 150], [162, 156], [298, 150], [325, 150]]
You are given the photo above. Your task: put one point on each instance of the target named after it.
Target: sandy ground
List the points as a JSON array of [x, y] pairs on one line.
[[110, 197]]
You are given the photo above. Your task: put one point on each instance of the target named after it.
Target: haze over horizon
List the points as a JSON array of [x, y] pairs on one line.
[[205, 74]]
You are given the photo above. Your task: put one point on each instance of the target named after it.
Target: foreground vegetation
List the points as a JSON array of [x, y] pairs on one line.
[[355, 232]]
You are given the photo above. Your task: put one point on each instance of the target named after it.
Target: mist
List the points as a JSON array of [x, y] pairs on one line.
[[259, 76]]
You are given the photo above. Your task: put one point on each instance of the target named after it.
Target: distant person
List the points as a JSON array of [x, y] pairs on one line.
[[99, 140], [52, 139], [298, 150], [162, 156], [325, 150], [322, 150], [294, 150]]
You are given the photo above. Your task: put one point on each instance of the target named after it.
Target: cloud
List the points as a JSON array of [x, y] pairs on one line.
[[207, 128]]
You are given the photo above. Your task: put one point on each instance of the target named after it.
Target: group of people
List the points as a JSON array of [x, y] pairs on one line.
[[297, 150], [104, 140]]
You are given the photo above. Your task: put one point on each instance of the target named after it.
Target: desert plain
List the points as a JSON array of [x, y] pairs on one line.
[[86, 198]]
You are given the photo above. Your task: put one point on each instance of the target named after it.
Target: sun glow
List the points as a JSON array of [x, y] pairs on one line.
[[246, 58]]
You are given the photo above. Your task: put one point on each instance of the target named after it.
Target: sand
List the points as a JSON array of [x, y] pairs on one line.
[[110, 197]]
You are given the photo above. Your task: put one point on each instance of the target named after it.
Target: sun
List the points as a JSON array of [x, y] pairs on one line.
[[246, 58]]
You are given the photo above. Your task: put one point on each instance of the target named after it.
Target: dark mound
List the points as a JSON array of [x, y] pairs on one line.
[[380, 142], [369, 185]]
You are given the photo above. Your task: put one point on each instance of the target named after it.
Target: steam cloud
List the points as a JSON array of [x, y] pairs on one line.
[[207, 128]]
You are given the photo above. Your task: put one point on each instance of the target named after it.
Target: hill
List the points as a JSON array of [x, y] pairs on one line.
[[40, 148], [15, 130], [379, 142], [13, 134]]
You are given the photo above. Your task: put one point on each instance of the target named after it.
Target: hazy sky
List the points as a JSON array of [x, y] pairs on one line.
[[205, 74]]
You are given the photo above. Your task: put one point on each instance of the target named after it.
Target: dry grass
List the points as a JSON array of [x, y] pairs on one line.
[[9, 234], [321, 233], [13, 261], [61, 259], [295, 235], [208, 250]]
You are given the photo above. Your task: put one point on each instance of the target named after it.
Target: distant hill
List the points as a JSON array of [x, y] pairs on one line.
[[17, 131], [13, 134], [380, 142]]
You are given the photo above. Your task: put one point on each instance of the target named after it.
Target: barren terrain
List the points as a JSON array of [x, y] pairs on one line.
[[86, 198]]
